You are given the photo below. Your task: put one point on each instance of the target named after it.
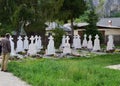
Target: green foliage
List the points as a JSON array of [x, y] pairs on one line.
[[68, 72], [92, 29], [7, 8], [22, 13], [116, 15], [48, 9], [58, 36], [83, 17], [5, 29], [13, 12], [36, 28], [72, 9]]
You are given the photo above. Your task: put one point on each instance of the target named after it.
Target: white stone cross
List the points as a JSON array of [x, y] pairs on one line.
[[67, 39], [26, 43], [50, 48], [96, 46], [67, 49], [110, 44], [32, 47], [84, 44], [19, 45], [32, 39], [36, 41], [74, 42], [78, 42], [39, 44], [90, 45], [63, 43], [12, 53]]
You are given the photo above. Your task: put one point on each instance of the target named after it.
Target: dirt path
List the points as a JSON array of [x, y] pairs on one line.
[[8, 79]]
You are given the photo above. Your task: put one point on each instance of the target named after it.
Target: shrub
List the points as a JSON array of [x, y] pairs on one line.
[[58, 36]]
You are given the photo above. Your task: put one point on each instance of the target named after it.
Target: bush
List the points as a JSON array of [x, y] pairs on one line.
[[58, 36]]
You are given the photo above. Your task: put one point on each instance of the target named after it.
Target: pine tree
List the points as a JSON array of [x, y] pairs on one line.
[[92, 29]]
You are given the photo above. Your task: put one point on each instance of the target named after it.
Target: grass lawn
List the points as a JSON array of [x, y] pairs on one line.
[[68, 72]]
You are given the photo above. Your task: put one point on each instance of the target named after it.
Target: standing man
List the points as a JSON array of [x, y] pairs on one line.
[[6, 49]]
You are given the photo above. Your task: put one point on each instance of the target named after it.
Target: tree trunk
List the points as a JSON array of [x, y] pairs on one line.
[[72, 30]]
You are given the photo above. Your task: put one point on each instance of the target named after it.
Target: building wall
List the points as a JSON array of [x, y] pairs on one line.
[[111, 31], [114, 32], [105, 33]]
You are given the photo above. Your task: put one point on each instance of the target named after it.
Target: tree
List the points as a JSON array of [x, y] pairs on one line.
[[37, 12], [48, 9], [6, 11], [70, 10], [7, 8], [22, 15], [92, 29]]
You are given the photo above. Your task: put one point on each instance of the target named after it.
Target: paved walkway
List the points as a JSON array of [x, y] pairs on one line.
[[8, 79]]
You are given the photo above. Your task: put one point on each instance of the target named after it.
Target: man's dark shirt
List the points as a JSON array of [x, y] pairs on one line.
[[6, 47]]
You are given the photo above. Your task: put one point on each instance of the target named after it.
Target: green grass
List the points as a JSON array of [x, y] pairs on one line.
[[68, 72]]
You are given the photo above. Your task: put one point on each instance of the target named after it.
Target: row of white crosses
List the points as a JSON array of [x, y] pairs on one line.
[[32, 48], [86, 44], [77, 42], [65, 45], [89, 45]]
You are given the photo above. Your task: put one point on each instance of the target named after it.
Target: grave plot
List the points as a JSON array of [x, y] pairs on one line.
[[33, 47]]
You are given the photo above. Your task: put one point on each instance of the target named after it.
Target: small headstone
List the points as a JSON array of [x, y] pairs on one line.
[[32, 47], [96, 46], [36, 42], [19, 45], [76, 42], [25, 43], [39, 45], [12, 53], [50, 48], [110, 44], [90, 45], [67, 49], [63, 42], [84, 44]]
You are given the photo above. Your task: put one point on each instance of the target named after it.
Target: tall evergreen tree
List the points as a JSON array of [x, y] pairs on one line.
[[92, 29]]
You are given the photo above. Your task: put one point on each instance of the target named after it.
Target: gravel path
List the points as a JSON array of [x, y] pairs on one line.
[[8, 79]]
